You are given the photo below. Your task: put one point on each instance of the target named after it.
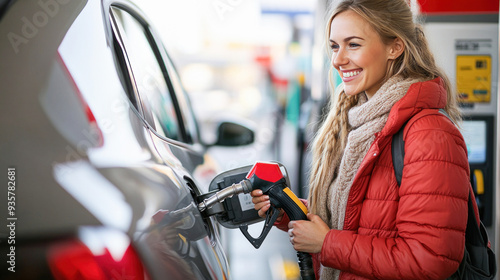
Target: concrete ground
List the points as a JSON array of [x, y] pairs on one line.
[[274, 260]]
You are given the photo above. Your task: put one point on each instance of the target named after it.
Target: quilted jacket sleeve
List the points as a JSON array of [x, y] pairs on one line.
[[431, 213]]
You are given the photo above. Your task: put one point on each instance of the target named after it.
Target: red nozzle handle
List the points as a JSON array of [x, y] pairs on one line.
[[267, 171]]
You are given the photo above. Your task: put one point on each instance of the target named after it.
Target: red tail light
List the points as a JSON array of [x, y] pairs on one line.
[[73, 260]]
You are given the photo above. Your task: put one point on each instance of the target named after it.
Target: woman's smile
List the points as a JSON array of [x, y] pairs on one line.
[[349, 75]]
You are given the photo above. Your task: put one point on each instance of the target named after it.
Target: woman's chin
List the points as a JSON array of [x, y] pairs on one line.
[[352, 91]]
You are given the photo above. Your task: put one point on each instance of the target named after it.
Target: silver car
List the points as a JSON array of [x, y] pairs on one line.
[[101, 155]]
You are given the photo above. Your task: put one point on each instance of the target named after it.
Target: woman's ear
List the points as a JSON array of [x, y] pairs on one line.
[[396, 48]]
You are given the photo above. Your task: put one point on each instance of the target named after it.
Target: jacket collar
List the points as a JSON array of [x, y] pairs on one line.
[[422, 95]]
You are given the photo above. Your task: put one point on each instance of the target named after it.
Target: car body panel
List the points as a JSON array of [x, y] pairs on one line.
[[85, 155]]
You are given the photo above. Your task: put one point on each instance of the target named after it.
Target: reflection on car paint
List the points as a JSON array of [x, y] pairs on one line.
[[96, 193]]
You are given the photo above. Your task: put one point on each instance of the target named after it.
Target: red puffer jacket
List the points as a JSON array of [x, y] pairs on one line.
[[417, 230]]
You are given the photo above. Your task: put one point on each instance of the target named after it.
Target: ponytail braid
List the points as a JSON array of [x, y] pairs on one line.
[[329, 144]]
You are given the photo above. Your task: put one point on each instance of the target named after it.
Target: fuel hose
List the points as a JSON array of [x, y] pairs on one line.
[[284, 198]]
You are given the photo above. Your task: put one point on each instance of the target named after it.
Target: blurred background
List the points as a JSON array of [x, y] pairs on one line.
[[244, 60], [263, 63]]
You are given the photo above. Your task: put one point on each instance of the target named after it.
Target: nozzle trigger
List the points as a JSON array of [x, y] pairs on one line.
[[271, 217]]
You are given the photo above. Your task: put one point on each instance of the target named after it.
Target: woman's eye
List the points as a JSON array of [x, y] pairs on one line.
[[334, 47], [353, 45]]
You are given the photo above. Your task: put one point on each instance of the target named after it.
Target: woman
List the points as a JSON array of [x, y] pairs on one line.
[[362, 225]]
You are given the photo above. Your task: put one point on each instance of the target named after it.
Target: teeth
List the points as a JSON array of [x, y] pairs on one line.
[[350, 74]]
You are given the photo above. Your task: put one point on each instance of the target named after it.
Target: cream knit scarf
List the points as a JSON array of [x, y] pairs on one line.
[[366, 118]]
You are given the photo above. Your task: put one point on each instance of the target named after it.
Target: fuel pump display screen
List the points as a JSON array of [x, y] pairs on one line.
[[474, 132]]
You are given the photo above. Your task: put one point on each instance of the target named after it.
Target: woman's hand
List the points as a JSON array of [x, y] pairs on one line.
[[262, 204], [308, 236]]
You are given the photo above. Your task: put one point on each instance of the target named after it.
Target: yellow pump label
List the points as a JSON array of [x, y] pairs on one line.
[[474, 78]]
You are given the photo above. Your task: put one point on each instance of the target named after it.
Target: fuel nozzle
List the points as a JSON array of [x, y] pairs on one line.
[[242, 187], [272, 179]]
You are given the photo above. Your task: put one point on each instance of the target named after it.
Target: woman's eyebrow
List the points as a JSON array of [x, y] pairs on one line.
[[348, 39]]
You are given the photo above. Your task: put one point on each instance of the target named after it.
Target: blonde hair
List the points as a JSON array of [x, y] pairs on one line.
[[391, 19]]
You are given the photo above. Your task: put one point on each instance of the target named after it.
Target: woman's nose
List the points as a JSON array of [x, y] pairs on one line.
[[340, 58]]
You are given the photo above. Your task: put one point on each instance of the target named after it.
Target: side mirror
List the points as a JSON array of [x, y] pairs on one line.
[[231, 134]]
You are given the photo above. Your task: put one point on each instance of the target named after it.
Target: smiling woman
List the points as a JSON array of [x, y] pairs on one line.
[[361, 224]]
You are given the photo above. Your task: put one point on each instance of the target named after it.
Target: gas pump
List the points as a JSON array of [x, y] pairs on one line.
[[464, 39]]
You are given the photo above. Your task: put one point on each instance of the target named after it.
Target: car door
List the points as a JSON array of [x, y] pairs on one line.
[[173, 132]]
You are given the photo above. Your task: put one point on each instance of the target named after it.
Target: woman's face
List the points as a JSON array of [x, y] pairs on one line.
[[359, 55]]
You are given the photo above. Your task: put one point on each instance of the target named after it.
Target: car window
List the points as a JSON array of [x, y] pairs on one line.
[[183, 99], [151, 85]]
